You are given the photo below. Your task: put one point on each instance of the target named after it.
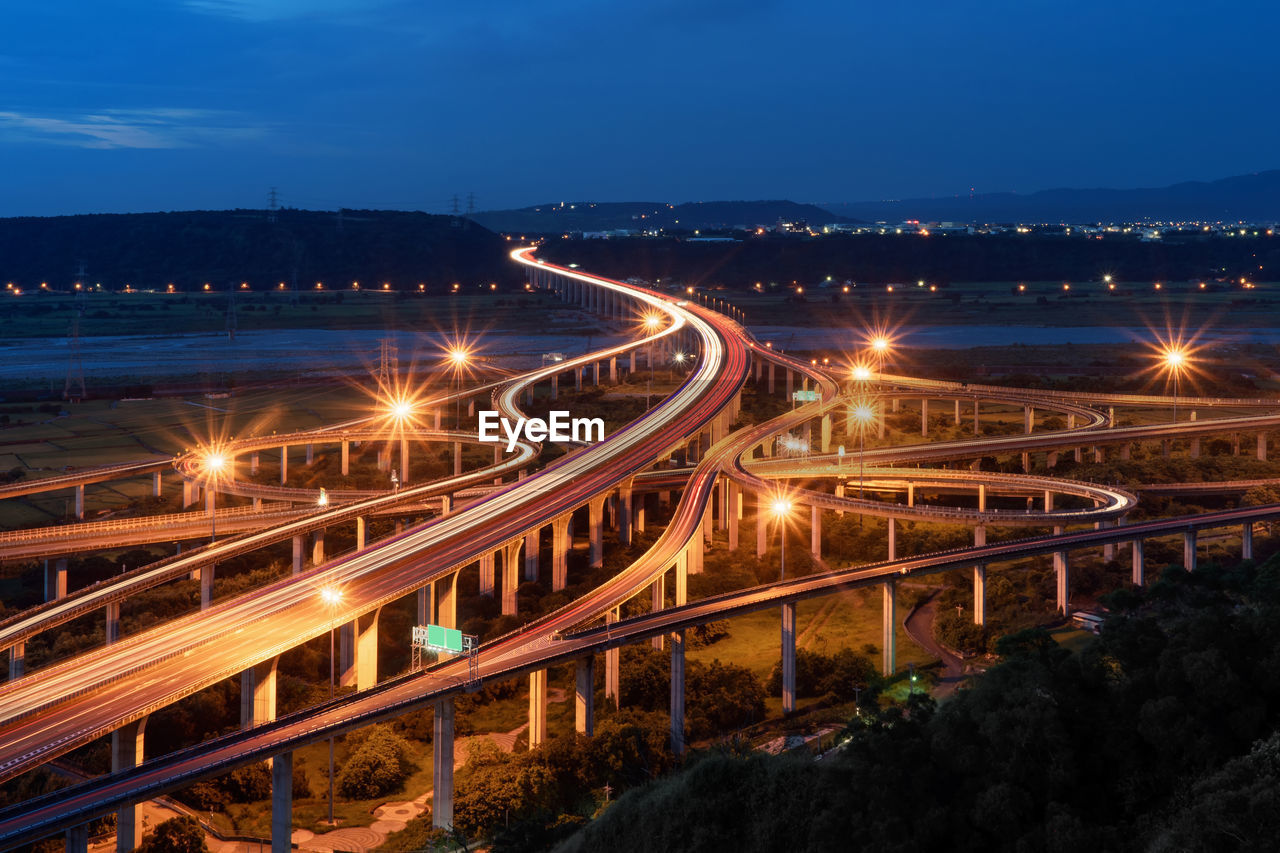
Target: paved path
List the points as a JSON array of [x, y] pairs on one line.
[[919, 625]]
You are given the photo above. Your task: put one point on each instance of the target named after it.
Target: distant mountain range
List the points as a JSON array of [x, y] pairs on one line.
[[1254, 198]]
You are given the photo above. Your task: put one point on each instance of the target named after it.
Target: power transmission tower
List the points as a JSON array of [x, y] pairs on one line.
[[455, 204], [231, 311], [273, 203], [388, 365], [471, 203]]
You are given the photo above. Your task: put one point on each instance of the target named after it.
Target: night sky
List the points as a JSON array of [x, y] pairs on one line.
[[132, 105]]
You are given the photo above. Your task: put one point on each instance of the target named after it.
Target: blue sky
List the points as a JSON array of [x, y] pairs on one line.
[[129, 105]]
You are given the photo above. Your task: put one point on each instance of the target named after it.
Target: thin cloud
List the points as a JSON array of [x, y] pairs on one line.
[[146, 128]]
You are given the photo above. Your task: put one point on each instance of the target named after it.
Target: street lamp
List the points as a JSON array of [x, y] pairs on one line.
[[401, 412], [332, 597], [881, 346], [459, 357], [1175, 360], [781, 509], [215, 463], [651, 324], [864, 413]]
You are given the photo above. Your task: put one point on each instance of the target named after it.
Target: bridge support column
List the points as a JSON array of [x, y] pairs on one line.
[[532, 544], [442, 766], [17, 660], [358, 651], [55, 579], [511, 576], [537, 707], [78, 839], [80, 496], [1051, 459], [282, 803], [1109, 549], [155, 485], [892, 524], [486, 574], [889, 638], [361, 532], [677, 692], [957, 416], [284, 464], [126, 752], [317, 547], [1126, 453], [980, 594], [560, 544], [979, 536], [734, 513], [1028, 419], [1099, 455], [611, 663], [426, 605], [658, 600], [613, 370], [112, 622], [1062, 570], [555, 387], [1195, 447], [977, 417], [346, 457], [788, 657], [258, 694], [1189, 550], [770, 386], [595, 531], [911, 494], [1139, 571], [190, 492], [584, 701], [625, 499], [253, 463], [207, 572], [457, 458], [924, 416], [982, 498], [297, 553], [447, 603], [1262, 457], [1026, 460], [815, 531], [791, 383], [825, 433], [1246, 541]]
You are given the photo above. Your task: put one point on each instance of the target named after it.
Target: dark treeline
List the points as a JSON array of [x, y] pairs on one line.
[[190, 248], [1159, 736], [908, 257]]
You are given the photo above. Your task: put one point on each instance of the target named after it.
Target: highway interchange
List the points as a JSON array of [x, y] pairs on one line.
[[47, 712]]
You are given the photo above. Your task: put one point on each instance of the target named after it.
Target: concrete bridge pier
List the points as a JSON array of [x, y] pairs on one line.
[[155, 484], [658, 600], [17, 660], [537, 707], [486, 574], [977, 417], [611, 663], [253, 462], [979, 535], [1062, 570], [206, 573], [584, 711], [532, 544], [625, 500], [511, 576], [112, 621], [80, 494], [555, 386], [1246, 541], [457, 458], [1262, 457], [788, 657], [980, 594], [126, 752], [561, 542], [770, 385], [298, 544], [677, 692], [825, 433], [78, 839], [282, 803], [426, 606], [982, 498], [258, 694], [358, 651], [1189, 549], [442, 766], [595, 531], [889, 622], [791, 382], [284, 464], [892, 524], [317, 547], [640, 504], [924, 416], [346, 457], [447, 603], [362, 525], [55, 579], [957, 415], [1139, 572], [190, 493], [1028, 419]]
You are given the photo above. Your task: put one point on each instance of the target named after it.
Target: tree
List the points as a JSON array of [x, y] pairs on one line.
[[181, 834], [378, 765]]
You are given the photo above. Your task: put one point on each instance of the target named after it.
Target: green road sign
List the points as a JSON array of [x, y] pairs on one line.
[[438, 637], [805, 396]]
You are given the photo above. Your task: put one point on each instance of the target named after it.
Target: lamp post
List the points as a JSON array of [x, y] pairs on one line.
[[781, 509], [459, 357], [651, 324], [401, 412], [214, 464], [1175, 361], [332, 597]]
